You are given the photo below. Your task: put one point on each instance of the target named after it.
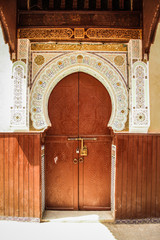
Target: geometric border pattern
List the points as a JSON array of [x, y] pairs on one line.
[[56, 69], [140, 98]]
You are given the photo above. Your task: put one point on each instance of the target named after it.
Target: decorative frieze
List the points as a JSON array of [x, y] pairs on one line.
[[96, 34], [52, 46]]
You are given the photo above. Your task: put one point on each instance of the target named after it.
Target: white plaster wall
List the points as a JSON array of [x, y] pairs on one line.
[[5, 83]]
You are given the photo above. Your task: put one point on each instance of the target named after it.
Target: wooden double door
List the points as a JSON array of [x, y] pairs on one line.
[[79, 107]]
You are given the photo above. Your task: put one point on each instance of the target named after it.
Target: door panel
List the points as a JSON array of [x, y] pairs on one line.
[[79, 106], [61, 173], [95, 175], [94, 106], [63, 107]]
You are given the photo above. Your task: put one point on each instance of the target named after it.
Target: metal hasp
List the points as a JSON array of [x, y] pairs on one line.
[[83, 150]]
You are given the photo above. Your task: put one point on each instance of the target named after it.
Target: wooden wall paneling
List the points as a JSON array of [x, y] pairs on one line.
[[139, 177], [149, 176], [158, 179], [124, 176], [1, 176], [37, 172], [21, 174], [15, 176], [134, 183], [31, 175], [154, 175], [119, 167], [25, 176], [144, 176], [6, 143], [130, 156], [10, 176]]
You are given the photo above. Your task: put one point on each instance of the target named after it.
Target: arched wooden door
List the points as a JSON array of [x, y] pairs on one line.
[[79, 107]]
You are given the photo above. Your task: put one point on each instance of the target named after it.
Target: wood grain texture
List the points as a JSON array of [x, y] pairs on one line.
[[79, 106], [20, 184], [137, 176]]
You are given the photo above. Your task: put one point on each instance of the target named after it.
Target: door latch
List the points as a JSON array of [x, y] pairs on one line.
[[83, 150]]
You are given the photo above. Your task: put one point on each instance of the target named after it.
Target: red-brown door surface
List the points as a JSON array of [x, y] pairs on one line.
[[79, 107]]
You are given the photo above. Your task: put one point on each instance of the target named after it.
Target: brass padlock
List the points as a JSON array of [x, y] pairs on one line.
[[83, 150]]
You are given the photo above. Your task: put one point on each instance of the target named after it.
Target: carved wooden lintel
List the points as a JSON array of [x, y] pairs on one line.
[[87, 19], [90, 34]]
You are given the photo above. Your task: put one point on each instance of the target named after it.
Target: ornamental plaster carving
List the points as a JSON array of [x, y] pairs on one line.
[[19, 96], [99, 34], [140, 97], [69, 63], [139, 119]]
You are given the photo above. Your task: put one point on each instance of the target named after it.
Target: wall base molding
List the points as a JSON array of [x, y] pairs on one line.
[[20, 219]]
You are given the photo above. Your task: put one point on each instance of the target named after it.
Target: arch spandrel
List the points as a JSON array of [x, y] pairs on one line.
[[59, 68]]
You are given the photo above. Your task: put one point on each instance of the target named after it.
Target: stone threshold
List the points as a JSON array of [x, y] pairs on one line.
[[78, 216]]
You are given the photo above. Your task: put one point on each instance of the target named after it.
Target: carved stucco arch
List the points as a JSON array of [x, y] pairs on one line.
[[69, 63]]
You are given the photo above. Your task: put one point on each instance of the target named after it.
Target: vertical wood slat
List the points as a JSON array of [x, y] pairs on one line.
[[21, 174], [149, 176], [144, 176], [37, 187], [129, 175], [25, 177], [140, 196], [154, 176], [139, 178], [19, 178], [158, 179], [2, 176], [6, 149], [124, 176], [134, 183], [15, 176], [31, 176], [119, 170]]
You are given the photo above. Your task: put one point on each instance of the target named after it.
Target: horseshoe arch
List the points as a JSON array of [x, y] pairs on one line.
[[69, 63]]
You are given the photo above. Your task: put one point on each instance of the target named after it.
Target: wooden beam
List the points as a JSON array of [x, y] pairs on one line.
[[121, 4], [74, 4], [63, 4], [109, 4], [39, 3], [51, 4], [86, 4], [98, 4]]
